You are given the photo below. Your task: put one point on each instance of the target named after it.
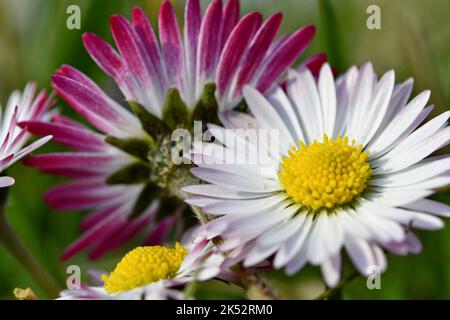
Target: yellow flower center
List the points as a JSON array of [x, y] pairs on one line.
[[144, 265], [324, 175]]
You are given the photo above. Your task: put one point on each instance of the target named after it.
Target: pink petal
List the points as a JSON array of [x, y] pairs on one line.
[[258, 50], [88, 161], [193, 20], [230, 18], [95, 106], [124, 234], [283, 56], [103, 54], [69, 136], [147, 36], [209, 42], [91, 236], [235, 48], [96, 217], [81, 195], [172, 48], [67, 121], [41, 105]]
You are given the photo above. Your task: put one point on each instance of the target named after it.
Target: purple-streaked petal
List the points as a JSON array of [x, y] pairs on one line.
[[230, 18], [103, 54], [284, 56], [258, 49], [193, 20], [95, 106], [234, 50], [209, 43], [171, 45], [69, 136]]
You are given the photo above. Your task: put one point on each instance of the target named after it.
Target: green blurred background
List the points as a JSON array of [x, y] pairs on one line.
[[414, 40]]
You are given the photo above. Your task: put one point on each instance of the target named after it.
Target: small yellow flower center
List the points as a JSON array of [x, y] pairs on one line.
[[324, 175], [144, 265]]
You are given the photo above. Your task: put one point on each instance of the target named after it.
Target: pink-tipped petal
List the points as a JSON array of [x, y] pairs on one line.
[[129, 46], [91, 236], [89, 161], [69, 136], [284, 56], [81, 195], [209, 42], [147, 36], [193, 20], [95, 106], [235, 49], [258, 50], [103, 54], [230, 18], [171, 45]]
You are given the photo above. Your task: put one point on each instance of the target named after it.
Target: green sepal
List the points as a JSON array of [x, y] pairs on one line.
[[206, 108], [175, 111], [134, 146], [147, 196], [242, 107], [134, 173], [151, 123]]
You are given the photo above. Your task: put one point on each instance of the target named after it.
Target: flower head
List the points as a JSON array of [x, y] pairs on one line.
[[156, 273], [122, 171], [218, 47], [21, 106], [350, 171]]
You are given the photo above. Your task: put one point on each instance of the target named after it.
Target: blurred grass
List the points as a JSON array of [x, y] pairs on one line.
[[414, 40]]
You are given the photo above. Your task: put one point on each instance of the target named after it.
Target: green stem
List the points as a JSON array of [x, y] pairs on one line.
[[336, 292], [254, 284], [18, 249]]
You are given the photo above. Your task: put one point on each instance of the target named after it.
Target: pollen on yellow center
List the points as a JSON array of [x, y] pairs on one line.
[[144, 265], [325, 175]]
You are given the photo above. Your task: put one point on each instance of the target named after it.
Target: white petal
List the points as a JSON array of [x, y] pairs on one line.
[[237, 182], [267, 116], [378, 106], [212, 190], [283, 106], [430, 206], [399, 123], [327, 93], [361, 254], [417, 173], [302, 91], [293, 245], [359, 100], [6, 182], [331, 270]]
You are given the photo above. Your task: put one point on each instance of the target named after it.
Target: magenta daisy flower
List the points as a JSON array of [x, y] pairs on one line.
[[20, 106]]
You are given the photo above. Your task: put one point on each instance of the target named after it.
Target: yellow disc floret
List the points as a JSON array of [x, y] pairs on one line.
[[324, 175], [144, 265]]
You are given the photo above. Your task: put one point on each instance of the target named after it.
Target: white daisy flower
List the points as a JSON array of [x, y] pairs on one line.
[[156, 273], [350, 173], [21, 106]]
